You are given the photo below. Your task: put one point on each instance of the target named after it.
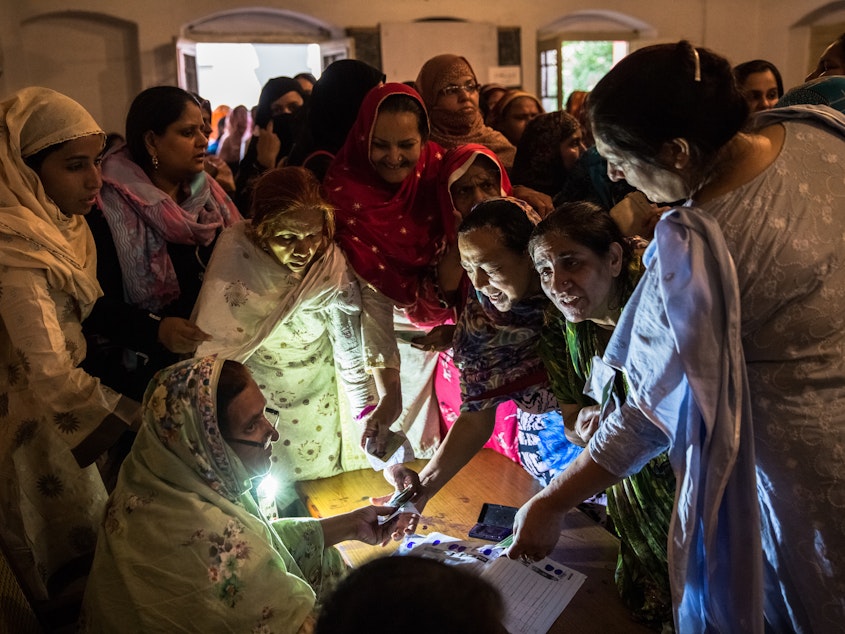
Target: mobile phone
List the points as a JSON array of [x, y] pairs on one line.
[[495, 522], [400, 497]]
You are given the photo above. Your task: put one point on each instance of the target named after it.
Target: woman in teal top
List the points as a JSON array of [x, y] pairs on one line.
[[588, 270]]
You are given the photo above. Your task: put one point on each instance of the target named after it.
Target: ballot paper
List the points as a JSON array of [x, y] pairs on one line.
[[534, 593]]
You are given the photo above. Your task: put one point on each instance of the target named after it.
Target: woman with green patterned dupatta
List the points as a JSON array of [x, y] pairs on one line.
[[588, 270]]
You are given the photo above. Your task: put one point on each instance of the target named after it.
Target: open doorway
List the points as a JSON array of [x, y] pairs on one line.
[[234, 73], [228, 56]]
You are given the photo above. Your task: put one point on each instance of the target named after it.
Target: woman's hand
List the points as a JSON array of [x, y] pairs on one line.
[[268, 147], [221, 172], [438, 338], [401, 477], [377, 423], [536, 529], [361, 524], [542, 203], [587, 422], [181, 336]]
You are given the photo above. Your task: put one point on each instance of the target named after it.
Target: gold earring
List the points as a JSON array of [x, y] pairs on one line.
[[155, 162]]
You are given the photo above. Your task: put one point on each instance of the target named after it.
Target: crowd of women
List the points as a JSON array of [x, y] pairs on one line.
[[657, 317]]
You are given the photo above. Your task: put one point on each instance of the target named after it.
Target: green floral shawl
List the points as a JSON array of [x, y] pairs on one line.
[[182, 546]]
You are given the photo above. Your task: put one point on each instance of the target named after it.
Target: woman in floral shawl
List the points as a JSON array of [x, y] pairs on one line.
[[279, 296], [182, 546]]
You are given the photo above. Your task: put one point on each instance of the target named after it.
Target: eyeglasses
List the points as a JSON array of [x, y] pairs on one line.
[[271, 416], [453, 89]]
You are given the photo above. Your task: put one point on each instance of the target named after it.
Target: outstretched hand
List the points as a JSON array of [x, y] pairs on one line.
[[181, 336]]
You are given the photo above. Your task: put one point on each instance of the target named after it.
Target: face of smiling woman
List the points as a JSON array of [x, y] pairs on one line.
[[396, 145], [503, 276]]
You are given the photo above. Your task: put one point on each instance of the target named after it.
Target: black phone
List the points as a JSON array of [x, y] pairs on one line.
[[495, 522]]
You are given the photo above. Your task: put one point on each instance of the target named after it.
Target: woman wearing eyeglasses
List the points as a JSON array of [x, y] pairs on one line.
[[449, 88], [183, 546], [279, 296]]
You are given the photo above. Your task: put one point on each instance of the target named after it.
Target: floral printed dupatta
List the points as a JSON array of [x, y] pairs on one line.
[[182, 546]]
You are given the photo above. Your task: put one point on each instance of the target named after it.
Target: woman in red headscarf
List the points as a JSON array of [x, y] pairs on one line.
[[383, 183]]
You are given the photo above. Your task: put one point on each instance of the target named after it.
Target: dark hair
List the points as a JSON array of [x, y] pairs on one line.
[[504, 214], [152, 111], [590, 225], [401, 102], [282, 190], [434, 597], [664, 92], [309, 76], [35, 161], [234, 377], [742, 71]]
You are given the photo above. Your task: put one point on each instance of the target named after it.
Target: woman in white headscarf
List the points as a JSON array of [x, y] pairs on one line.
[[54, 418]]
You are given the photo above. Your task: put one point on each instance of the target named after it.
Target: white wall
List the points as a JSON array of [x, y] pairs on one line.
[[740, 29]]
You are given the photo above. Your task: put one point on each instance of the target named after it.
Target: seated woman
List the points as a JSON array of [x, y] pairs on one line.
[[56, 418], [279, 296], [588, 270], [383, 184], [495, 342], [515, 110], [183, 545], [160, 213], [547, 151]]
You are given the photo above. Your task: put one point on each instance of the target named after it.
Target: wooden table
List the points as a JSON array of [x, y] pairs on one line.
[[490, 477]]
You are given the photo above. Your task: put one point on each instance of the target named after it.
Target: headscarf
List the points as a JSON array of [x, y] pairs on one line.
[[392, 236], [508, 98], [538, 164], [261, 295], [826, 91], [35, 233], [333, 107], [182, 540], [272, 90], [143, 220], [455, 164], [336, 98], [457, 128]]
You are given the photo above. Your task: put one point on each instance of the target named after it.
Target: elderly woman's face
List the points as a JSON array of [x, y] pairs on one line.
[[502, 275], [579, 282], [299, 237], [248, 423], [477, 184], [658, 184]]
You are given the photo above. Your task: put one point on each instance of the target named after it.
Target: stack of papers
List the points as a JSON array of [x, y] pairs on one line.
[[534, 593]]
